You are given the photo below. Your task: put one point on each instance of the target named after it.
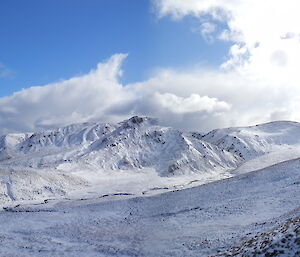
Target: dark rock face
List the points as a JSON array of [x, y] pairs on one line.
[[136, 119]]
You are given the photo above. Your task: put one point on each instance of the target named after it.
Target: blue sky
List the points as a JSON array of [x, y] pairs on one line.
[[46, 41]]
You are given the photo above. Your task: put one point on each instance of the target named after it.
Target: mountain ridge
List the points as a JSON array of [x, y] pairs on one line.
[[134, 143], [56, 163]]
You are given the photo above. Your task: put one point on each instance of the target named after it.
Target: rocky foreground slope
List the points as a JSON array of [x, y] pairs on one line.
[[283, 240]]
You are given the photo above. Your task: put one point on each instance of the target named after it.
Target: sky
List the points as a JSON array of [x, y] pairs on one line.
[[194, 64], [46, 41]]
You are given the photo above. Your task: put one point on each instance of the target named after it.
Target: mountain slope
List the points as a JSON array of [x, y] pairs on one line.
[[254, 141], [132, 144]]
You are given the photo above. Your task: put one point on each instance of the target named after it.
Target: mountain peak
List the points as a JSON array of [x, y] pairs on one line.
[[139, 120]]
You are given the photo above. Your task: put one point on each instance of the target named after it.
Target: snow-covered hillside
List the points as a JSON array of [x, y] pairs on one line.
[[250, 142], [132, 144], [199, 221]]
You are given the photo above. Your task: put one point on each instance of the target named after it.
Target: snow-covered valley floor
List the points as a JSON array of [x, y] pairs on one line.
[[199, 221]]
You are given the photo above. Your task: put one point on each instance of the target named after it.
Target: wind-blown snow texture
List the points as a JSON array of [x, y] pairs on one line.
[[95, 189]]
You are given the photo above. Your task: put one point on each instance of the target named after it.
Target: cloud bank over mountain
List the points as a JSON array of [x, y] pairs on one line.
[[258, 81], [99, 96]]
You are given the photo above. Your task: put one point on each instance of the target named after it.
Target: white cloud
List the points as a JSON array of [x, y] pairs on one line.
[[198, 99], [207, 30], [99, 96], [251, 100], [75, 100], [265, 51], [265, 34], [193, 103]]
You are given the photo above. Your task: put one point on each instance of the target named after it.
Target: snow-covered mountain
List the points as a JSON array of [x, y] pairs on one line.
[[91, 155], [135, 156], [254, 141], [132, 144]]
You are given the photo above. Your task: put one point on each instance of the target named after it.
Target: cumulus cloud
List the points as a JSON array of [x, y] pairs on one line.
[[265, 51], [197, 100], [193, 103], [251, 100], [74, 100], [264, 34], [97, 96]]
